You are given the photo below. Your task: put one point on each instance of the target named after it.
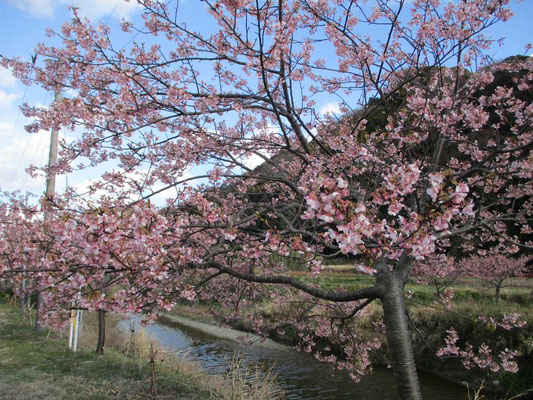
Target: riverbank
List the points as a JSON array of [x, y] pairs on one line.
[[430, 321], [223, 332], [39, 366], [298, 373]]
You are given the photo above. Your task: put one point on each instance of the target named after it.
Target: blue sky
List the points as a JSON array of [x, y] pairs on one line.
[[23, 24]]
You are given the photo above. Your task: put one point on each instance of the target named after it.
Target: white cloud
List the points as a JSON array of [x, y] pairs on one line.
[[37, 8], [7, 99], [159, 199], [7, 80], [330, 108], [95, 9], [22, 150], [253, 161], [19, 148], [92, 9]]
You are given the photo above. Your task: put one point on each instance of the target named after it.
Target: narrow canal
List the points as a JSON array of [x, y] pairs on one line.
[[300, 374]]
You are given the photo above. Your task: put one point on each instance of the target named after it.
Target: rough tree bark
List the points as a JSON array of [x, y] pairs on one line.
[[499, 285], [391, 284], [101, 332], [39, 300]]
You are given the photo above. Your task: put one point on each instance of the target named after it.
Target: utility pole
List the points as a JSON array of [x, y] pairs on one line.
[[50, 191]]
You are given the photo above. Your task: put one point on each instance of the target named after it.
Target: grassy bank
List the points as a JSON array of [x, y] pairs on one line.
[[39, 366]]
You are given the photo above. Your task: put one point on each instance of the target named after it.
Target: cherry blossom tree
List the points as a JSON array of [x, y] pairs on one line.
[[494, 269], [433, 145], [441, 272]]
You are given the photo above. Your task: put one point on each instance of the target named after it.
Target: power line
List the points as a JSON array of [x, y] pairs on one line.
[[112, 11], [21, 157], [38, 155], [13, 132]]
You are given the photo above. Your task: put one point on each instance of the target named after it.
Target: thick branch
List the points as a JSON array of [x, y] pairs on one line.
[[364, 293]]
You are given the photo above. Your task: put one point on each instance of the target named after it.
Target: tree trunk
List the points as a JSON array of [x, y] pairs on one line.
[[398, 335], [23, 298], [498, 289], [38, 303], [101, 332]]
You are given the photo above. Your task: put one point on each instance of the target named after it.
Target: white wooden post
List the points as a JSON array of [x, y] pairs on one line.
[[76, 330], [71, 335]]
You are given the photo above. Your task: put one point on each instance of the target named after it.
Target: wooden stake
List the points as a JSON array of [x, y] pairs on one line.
[[133, 347], [149, 369], [153, 386]]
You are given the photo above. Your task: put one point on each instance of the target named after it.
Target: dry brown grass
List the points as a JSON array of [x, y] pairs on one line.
[[342, 268], [250, 382]]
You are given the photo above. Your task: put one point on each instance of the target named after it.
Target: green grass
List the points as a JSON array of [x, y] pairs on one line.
[[465, 290], [33, 366], [341, 279]]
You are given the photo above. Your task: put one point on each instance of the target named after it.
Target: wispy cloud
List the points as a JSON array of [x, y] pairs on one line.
[[96, 9], [92, 9], [37, 8], [83, 186], [7, 99], [19, 148], [22, 150], [7, 80]]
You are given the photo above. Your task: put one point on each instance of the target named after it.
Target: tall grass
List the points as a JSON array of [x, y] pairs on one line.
[[250, 382]]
